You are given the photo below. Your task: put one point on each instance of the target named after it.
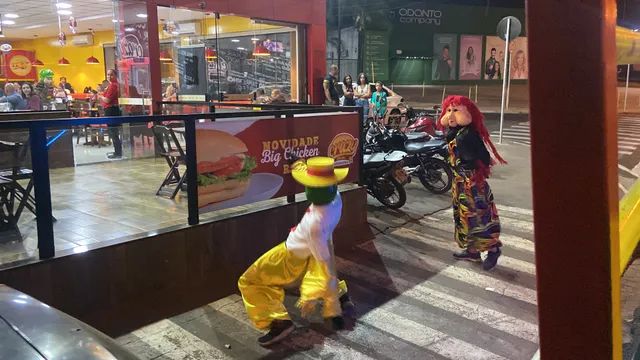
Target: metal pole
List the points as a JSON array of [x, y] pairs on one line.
[[444, 93], [339, 36], [42, 191], [504, 80], [192, 172], [508, 79], [423, 89], [476, 93], [469, 92], [626, 88]]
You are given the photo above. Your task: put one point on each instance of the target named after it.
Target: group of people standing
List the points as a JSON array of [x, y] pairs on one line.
[[355, 94]]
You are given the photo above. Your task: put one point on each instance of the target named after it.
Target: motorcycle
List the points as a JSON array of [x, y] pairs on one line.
[[384, 176], [426, 155]]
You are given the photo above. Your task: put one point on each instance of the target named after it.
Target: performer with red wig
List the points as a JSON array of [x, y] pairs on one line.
[[471, 156]]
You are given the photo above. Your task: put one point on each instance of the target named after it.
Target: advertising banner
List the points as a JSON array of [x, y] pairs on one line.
[[445, 48], [246, 161], [519, 58], [470, 57], [18, 65], [494, 58]]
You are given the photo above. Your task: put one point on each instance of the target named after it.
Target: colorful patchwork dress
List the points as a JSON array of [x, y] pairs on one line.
[[477, 225]]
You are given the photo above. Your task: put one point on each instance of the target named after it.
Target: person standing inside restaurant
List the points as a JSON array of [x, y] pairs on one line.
[[13, 97], [329, 85], [29, 95], [348, 91], [362, 95], [44, 87], [109, 99], [379, 101], [65, 85]]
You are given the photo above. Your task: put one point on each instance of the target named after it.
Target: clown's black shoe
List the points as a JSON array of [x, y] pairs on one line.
[[280, 329], [347, 306], [492, 259], [466, 255]]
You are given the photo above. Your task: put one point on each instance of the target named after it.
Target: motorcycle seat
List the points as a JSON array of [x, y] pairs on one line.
[[416, 136], [419, 147]]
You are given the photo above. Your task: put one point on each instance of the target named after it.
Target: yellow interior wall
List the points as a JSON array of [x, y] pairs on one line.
[[226, 24], [79, 74]]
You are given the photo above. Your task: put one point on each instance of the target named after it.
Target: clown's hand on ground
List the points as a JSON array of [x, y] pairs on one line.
[[307, 307]]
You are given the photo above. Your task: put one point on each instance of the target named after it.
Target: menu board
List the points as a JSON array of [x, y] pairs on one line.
[[190, 71], [376, 55]]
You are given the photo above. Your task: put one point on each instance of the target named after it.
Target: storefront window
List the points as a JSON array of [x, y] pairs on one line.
[[207, 56]]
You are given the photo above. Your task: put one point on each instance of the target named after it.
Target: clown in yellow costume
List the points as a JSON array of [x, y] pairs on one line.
[[306, 257]]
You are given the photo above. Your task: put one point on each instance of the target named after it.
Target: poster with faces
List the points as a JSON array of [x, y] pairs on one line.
[[470, 57], [445, 49]]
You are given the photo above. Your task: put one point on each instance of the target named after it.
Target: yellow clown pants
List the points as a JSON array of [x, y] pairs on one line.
[[262, 286]]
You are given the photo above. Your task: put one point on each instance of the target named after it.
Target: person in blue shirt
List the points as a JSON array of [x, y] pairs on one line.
[[13, 97], [379, 101]]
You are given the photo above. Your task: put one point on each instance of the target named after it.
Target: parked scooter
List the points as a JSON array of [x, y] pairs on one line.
[[384, 176], [426, 155]]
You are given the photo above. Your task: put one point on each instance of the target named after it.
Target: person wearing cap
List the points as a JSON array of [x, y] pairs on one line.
[[44, 87], [306, 257]]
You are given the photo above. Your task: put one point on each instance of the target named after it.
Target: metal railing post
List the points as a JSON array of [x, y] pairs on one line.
[[192, 172], [42, 190]]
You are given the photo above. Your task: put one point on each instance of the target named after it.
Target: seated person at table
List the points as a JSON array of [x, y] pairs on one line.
[[29, 95], [65, 85], [13, 97]]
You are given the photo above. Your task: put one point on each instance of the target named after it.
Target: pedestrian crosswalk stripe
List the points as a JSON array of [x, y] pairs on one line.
[[506, 261], [185, 344], [428, 294], [432, 264], [233, 307], [424, 336], [517, 242]]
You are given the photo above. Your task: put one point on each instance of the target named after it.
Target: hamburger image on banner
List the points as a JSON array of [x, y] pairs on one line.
[[224, 167]]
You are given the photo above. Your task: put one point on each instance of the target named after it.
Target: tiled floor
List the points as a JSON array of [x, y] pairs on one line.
[[106, 201], [94, 203]]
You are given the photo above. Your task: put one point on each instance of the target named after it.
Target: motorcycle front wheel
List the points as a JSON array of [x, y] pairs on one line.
[[435, 175], [389, 192]]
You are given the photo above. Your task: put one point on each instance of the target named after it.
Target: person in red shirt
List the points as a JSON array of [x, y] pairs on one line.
[[109, 100]]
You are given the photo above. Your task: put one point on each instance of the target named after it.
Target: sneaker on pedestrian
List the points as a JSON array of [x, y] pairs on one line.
[[114, 156], [467, 255], [347, 306], [280, 329], [492, 259]]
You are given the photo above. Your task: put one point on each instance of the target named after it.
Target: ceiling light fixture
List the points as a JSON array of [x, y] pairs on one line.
[[8, 22], [64, 12], [241, 48], [92, 60], [143, 16], [235, 40], [11, 16], [63, 5]]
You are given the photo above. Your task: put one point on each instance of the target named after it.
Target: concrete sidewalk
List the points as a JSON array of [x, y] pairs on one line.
[[488, 99]]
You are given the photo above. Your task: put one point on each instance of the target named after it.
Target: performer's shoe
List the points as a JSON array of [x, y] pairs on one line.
[[466, 255], [280, 329], [347, 306], [336, 323], [492, 259]]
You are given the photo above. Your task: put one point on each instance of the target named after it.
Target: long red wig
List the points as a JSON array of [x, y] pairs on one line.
[[477, 121]]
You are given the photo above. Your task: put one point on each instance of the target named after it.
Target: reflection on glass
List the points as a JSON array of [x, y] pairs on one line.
[[237, 59]]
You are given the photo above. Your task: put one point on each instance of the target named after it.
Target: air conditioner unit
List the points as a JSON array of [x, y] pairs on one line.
[[82, 40]]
